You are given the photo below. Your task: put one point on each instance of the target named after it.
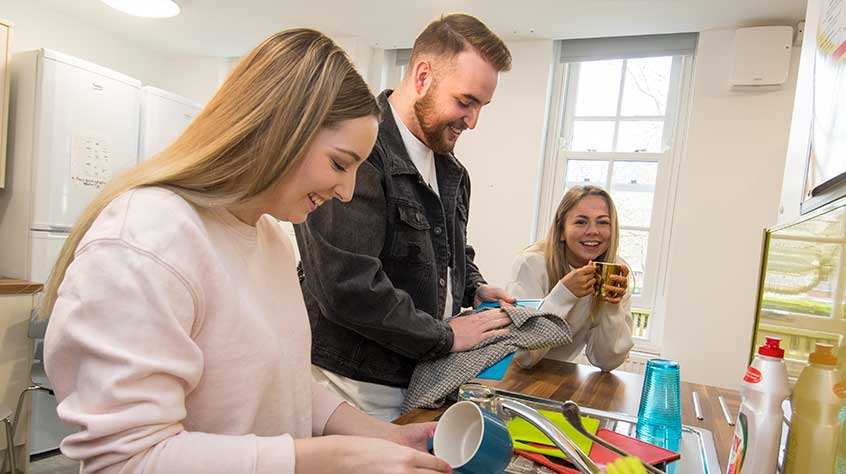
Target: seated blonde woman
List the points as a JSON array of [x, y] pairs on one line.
[[560, 270]]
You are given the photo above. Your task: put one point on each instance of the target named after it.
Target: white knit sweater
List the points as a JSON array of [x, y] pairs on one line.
[[607, 341]]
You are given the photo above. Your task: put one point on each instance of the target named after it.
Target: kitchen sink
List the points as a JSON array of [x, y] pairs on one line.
[[698, 453]]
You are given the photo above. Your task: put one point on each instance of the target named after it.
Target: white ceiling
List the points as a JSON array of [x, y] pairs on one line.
[[232, 27]]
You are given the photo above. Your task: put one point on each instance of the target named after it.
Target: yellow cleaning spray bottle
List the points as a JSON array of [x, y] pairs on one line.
[[817, 400]]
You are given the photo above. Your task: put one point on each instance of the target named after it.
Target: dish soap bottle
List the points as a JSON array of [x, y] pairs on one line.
[[817, 400], [840, 464], [754, 449]]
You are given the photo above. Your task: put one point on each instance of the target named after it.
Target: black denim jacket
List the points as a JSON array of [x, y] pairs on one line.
[[375, 268]]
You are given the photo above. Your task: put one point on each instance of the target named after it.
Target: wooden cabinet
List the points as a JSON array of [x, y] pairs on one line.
[[5, 57], [16, 302]]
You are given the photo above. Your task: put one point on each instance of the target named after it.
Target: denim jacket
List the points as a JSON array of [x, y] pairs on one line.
[[374, 269]]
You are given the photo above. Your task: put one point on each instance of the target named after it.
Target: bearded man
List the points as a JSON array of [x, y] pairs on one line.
[[382, 273]]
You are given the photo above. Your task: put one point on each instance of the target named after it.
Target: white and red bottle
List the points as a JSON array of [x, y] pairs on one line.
[[755, 447]]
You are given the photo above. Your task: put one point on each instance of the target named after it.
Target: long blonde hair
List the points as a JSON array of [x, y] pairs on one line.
[[555, 253], [252, 134]]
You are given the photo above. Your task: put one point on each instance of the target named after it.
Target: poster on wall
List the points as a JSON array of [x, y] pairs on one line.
[[90, 160], [825, 178]]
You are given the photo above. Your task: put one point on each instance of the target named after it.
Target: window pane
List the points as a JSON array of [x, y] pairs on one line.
[[599, 87], [647, 83], [633, 189], [581, 172], [640, 136], [804, 265], [640, 323], [803, 295], [592, 136], [802, 274], [633, 250]]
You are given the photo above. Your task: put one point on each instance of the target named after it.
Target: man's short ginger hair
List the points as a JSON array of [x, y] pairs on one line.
[[451, 34]]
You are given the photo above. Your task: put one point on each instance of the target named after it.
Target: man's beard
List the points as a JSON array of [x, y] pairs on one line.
[[433, 132]]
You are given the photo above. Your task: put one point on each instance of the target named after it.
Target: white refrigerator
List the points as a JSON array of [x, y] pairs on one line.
[[164, 115], [73, 126]]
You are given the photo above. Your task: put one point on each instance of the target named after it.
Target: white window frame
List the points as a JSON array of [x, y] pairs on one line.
[[560, 117]]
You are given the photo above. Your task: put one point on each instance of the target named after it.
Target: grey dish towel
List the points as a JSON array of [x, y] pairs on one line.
[[433, 380]]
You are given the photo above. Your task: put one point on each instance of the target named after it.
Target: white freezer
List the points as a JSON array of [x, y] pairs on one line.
[[47, 431], [86, 133], [45, 248], [164, 116], [73, 126]]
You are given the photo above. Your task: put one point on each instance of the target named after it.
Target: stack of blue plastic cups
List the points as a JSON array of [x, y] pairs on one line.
[[659, 415]]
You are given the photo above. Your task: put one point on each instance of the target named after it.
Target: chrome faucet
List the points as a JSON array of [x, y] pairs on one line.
[[507, 409]]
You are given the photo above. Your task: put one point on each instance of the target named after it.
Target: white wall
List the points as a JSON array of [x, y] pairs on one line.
[[359, 51], [729, 186], [198, 77], [36, 25], [370, 61], [502, 156], [195, 77]]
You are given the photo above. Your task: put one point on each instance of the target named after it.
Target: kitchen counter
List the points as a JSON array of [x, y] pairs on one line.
[[10, 286], [614, 391]]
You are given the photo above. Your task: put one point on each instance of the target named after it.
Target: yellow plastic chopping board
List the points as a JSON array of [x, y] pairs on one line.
[[523, 432]]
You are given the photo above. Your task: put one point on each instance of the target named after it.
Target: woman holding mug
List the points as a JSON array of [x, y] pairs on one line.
[[179, 340], [560, 270]]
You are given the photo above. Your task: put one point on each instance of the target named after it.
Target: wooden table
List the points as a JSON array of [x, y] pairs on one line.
[[610, 391]]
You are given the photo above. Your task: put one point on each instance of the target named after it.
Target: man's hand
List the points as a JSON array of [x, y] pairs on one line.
[[468, 331], [491, 293]]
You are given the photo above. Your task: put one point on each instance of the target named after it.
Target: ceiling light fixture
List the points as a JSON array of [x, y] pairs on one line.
[[146, 8]]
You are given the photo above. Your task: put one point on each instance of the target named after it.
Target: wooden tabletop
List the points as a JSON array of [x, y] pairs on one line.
[[614, 391], [9, 286]]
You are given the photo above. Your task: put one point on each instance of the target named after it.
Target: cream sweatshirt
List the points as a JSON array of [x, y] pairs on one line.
[[180, 343], [606, 340]]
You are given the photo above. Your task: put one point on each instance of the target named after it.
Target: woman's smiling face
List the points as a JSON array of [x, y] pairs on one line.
[[587, 230]]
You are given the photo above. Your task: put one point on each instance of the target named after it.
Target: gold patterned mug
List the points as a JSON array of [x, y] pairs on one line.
[[604, 270]]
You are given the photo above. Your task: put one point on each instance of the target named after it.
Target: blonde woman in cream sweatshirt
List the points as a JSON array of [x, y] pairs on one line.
[[560, 270], [179, 340]]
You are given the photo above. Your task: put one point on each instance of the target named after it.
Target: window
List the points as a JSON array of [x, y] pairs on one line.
[[616, 121], [802, 296]]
